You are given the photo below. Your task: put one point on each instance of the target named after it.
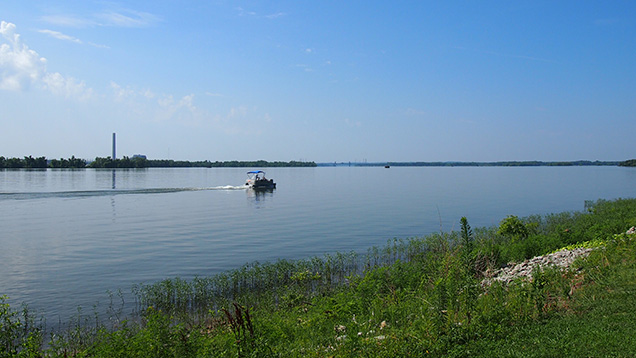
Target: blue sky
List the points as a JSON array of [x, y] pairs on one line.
[[320, 81]]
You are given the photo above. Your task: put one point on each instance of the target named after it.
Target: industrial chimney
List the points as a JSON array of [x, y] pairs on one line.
[[114, 153]]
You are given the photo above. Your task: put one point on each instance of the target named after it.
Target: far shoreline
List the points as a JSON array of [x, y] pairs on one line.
[[478, 164], [140, 161]]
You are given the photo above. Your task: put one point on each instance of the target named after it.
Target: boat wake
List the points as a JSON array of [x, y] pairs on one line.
[[106, 192]]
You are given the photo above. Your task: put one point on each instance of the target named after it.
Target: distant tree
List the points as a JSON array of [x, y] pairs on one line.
[[139, 162], [14, 163], [100, 162], [76, 162], [29, 162], [71, 162], [40, 162], [124, 162], [628, 163]]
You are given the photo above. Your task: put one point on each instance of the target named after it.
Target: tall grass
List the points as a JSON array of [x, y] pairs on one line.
[[256, 282]]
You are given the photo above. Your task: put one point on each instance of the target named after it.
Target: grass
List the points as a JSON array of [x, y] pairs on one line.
[[416, 297], [600, 322]]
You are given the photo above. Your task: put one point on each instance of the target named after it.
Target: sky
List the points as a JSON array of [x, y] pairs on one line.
[[320, 81]]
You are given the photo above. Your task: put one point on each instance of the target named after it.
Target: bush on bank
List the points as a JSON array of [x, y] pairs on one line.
[[412, 297]]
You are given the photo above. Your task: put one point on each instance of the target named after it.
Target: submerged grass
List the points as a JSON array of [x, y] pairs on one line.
[[416, 297]]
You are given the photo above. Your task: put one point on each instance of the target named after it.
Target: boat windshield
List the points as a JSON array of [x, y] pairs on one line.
[[256, 174]]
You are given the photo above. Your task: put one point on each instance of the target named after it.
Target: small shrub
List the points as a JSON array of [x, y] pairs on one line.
[[512, 227], [18, 333]]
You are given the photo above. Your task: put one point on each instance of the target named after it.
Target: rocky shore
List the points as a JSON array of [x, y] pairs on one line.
[[561, 259]]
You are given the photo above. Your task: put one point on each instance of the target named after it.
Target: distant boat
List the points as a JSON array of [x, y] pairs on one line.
[[387, 166], [256, 180]]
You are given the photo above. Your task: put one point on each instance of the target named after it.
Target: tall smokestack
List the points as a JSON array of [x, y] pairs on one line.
[[114, 153]]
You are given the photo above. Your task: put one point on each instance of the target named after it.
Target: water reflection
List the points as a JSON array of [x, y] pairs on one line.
[[112, 205], [112, 198], [260, 196]]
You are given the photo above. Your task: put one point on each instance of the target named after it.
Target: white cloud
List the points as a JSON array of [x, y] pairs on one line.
[[64, 37], [305, 67], [157, 107], [60, 36], [242, 12], [167, 109], [68, 21], [21, 68], [120, 17], [68, 87], [181, 110], [148, 94], [166, 102], [121, 93], [237, 112], [188, 101], [126, 18], [275, 15], [98, 45]]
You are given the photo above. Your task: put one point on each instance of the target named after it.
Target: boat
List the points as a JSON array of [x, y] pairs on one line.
[[256, 180]]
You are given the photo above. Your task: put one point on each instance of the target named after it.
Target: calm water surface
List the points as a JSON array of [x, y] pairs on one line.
[[68, 236]]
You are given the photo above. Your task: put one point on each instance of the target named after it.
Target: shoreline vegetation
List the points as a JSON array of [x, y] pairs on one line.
[[413, 297], [142, 162], [137, 162], [531, 163]]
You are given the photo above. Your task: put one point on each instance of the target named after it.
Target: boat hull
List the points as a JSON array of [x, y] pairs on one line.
[[263, 186]]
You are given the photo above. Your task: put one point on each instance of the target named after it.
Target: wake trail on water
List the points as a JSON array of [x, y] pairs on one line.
[[106, 192]]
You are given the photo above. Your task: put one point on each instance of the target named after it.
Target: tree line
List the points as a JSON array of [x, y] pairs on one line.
[[137, 162], [628, 163], [532, 163], [163, 163], [41, 163], [140, 162]]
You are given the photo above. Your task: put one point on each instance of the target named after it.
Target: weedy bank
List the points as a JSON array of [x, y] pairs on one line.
[[415, 297]]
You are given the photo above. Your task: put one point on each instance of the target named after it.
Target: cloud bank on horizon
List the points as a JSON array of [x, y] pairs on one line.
[[339, 82]]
